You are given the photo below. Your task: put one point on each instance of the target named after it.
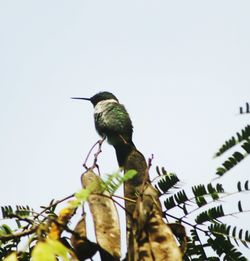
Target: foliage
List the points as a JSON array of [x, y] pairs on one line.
[[199, 208], [208, 229], [44, 229], [215, 230]]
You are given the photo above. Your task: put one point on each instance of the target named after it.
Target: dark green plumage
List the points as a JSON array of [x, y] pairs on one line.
[[113, 122]]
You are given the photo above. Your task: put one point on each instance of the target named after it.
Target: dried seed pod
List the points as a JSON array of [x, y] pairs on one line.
[[105, 216]]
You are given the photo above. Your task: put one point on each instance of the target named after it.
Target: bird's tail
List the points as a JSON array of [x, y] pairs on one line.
[[122, 152]]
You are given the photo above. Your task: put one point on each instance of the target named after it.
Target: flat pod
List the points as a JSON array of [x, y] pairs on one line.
[[105, 216]]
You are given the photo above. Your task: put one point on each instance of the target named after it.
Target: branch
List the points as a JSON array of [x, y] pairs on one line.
[[99, 142], [54, 204], [19, 234]]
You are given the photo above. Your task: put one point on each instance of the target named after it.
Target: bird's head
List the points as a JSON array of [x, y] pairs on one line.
[[101, 96]]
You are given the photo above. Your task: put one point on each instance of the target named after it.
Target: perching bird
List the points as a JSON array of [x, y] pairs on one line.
[[112, 121]]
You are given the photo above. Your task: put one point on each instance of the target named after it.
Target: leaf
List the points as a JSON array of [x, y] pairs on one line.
[[195, 248], [115, 180], [11, 257], [220, 171], [222, 246], [59, 249], [230, 163], [246, 185], [244, 135], [42, 251], [166, 181], [246, 146], [226, 146], [199, 191], [229, 232], [6, 210], [238, 156], [21, 211], [82, 195], [129, 174], [239, 186], [5, 230], [169, 203], [240, 206], [181, 197], [49, 250], [210, 215]]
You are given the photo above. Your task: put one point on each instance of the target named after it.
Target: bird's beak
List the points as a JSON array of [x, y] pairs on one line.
[[79, 98]]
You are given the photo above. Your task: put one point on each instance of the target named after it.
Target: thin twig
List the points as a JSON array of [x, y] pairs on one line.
[[19, 234], [54, 204], [29, 221], [88, 155], [187, 223], [125, 198], [95, 165]]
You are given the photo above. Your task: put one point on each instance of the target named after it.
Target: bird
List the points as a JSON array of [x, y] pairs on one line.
[[113, 122]]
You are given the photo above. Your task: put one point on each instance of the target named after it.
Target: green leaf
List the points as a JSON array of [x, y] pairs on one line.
[[181, 197], [230, 163], [220, 171], [5, 229], [81, 196], [244, 135], [246, 146], [246, 185], [115, 180], [240, 206], [166, 181], [223, 246], [129, 174], [169, 203], [211, 214]]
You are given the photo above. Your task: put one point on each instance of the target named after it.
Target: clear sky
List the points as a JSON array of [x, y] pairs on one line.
[[180, 67]]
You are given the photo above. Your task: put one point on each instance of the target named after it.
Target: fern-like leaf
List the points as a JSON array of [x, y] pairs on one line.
[[230, 232], [195, 249], [222, 246], [211, 215], [114, 181], [167, 181], [246, 187], [230, 163], [200, 191], [244, 135], [247, 109], [21, 211]]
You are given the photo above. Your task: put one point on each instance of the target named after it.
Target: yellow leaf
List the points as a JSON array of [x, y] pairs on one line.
[[49, 250], [43, 252], [11, 257], [59, 249]]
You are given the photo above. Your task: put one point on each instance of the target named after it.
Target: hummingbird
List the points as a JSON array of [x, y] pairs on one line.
[[113, 122]]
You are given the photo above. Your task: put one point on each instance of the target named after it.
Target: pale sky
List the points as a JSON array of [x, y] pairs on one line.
[[181, 68]]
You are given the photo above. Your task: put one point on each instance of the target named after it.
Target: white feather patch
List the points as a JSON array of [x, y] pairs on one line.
[[102, 105]]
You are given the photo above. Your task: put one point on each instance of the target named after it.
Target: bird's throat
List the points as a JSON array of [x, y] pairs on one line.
[[101, 106]]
